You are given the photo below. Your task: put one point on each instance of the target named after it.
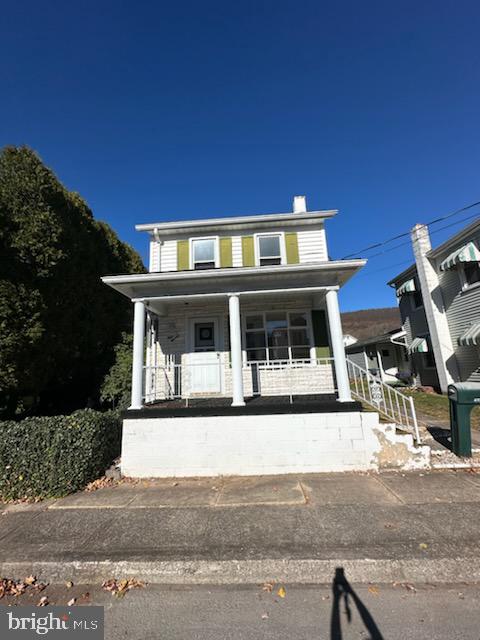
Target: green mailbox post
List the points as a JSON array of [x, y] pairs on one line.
[[463, 396]]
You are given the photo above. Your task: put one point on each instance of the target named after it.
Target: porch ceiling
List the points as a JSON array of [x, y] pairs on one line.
[[276, 279]]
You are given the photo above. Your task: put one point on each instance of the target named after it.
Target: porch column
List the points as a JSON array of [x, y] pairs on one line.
[[336, 336], [236, 351], [138, 348]]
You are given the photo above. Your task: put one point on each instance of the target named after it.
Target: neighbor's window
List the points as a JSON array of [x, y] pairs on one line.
[[269, 251], [428, 357], [417, 300], [203, 253], [277, 335], [471, 272]]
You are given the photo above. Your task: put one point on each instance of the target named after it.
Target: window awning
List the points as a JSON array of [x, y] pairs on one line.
[[471, 337], [406, 287], [467, 253], [419, 345]]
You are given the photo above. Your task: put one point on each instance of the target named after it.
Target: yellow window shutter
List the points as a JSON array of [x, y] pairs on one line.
[[291, 247], [226, 252], [248, 251], [183, 255]]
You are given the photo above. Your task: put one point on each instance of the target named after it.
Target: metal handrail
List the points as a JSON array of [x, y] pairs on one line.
[[384, 398]]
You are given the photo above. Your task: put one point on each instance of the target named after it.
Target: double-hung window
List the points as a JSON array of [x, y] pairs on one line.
[[277, 335], [204, 251], [269, 249]]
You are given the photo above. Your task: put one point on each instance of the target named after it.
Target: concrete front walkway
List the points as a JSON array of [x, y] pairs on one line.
[[386, 527]]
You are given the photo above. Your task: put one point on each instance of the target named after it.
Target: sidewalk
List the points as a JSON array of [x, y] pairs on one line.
[[387, 527]]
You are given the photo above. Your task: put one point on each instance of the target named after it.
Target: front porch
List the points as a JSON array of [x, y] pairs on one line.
[[238, 348], [237, 333]]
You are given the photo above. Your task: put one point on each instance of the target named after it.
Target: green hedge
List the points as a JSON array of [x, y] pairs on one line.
[[45, 457]]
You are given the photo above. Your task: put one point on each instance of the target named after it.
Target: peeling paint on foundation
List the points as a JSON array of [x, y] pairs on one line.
[[398, 451]]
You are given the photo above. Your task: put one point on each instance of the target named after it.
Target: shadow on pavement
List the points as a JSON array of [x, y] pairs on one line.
[[441, 435], [342, 590]]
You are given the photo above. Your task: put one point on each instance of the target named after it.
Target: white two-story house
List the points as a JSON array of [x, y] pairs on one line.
[[237, 318], [238, 307]]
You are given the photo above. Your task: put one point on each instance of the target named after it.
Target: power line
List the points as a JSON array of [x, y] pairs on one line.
[[403, 244], [404, 262], [402, 235]]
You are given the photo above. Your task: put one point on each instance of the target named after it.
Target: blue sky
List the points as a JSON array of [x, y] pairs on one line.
[[157, 111]]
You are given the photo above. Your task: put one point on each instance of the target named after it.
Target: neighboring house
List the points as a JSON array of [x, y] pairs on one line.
[[348, 339], [239, 315], [385, 356], [439, 298]]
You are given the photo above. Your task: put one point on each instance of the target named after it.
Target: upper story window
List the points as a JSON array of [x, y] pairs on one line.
[[204, 253], [471, 273], [269, 249]]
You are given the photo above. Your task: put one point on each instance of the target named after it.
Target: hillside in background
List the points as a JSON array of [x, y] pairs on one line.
[[370, 322]]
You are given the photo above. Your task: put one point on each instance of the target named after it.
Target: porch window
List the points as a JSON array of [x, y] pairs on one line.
[[277, 335], [203, 253], [269, 250]]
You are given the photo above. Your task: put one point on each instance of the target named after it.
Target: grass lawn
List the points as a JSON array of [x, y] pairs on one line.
[[433, 405]]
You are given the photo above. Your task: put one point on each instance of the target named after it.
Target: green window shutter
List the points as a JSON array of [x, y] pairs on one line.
[[248, 251], [183, 255], [226, 252], [320, 333], [291, 246]]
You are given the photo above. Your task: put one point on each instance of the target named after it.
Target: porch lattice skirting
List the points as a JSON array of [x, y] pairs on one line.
[[249, 444]]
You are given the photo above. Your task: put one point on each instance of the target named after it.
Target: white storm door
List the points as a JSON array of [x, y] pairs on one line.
[[204, 360]]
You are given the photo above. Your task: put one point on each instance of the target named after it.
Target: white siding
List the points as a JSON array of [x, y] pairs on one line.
[[154, 264], [237, 251], [312, 247], [462, 309], [168, 256]]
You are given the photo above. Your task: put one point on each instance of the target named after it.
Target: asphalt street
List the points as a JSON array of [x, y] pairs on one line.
[[343, 612]]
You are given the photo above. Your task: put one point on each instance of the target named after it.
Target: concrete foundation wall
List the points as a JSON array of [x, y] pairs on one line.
[[249, 445]]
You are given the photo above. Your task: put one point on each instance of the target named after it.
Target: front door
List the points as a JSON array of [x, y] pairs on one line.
[[204, 360]]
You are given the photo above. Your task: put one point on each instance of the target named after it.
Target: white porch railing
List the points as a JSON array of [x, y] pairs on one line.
[[384, 398], [176, 379]]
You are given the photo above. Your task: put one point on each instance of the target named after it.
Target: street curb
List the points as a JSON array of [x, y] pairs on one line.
[[198, 572]]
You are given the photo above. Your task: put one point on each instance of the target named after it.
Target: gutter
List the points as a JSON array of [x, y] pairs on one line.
[[170, 227], [209, 274]]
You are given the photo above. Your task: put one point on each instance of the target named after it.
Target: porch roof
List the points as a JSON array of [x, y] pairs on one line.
[[333, 273]]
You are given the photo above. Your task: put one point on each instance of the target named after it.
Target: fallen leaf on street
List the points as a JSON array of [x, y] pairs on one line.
[[264, 616], [69, 584], [268, 586], [30, 580], [422, 545], [281, 592], [71, 602], [43, 602], [373, 589], [120, 587]]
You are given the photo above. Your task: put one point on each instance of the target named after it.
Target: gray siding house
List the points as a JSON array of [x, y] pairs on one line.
[[439, 300]]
